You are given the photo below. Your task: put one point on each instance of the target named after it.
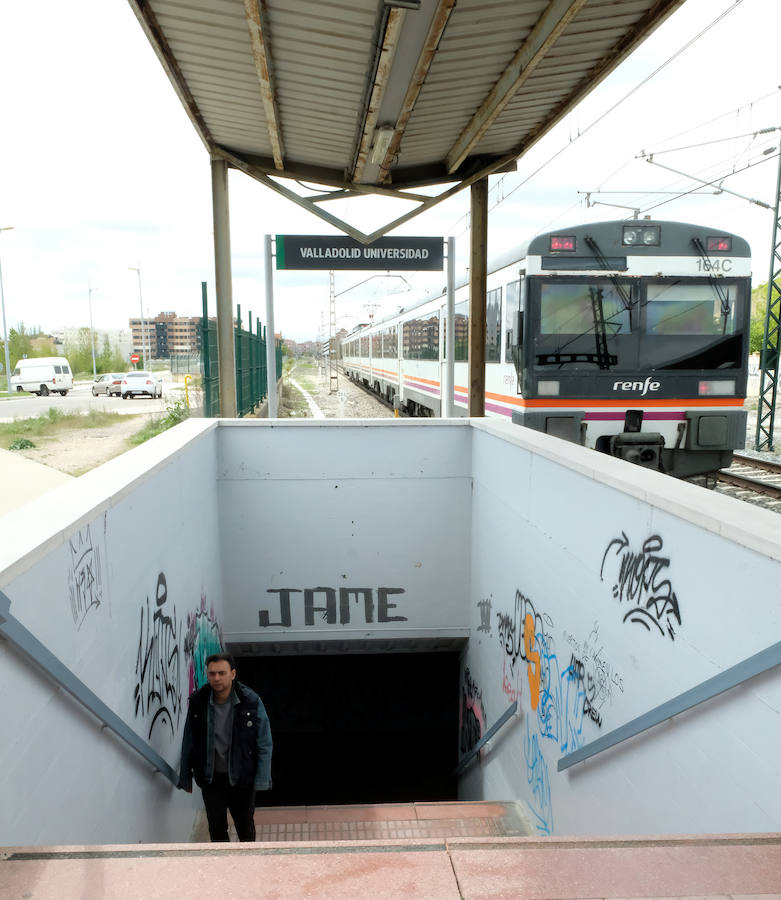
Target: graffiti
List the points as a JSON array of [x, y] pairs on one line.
[[85, 582], [577, 671], [507, 688], [203, 637], [558, 697], [157, 692], [511, 628], [471, 718], [485, 616], [640, 583], [363, 597], [602, 673], [538, 779]]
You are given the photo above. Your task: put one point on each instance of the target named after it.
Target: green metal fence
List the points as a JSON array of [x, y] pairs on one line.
[[251, 368]]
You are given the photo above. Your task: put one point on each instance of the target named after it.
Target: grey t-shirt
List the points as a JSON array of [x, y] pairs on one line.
[[223, 725]]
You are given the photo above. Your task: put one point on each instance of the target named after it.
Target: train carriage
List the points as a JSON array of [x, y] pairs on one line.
[[629, 337]]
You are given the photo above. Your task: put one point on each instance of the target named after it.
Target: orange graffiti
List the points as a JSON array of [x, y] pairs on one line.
[[531, 657]]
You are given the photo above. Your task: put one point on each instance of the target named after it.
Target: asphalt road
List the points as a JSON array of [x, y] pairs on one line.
[[80, 400]]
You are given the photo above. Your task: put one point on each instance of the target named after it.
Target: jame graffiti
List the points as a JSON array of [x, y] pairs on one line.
[[85, 582], [640, 583], [321, 603], [203, 637], [471, 725], [158, 693]]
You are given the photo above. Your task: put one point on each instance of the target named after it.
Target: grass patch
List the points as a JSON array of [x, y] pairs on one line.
[[175, 414], [292, 403], [52, 423]]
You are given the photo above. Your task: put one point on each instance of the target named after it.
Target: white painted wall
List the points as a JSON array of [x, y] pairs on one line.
[[477, 523], [81, 568], [549, 527], [344, 506]]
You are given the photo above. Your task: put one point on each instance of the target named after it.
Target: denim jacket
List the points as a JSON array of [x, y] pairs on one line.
[[249, 759]]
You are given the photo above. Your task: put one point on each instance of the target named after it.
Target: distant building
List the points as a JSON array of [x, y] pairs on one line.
[[166, 334]]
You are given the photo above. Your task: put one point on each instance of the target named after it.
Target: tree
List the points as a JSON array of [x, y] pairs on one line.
[[110, 359], [758, 313]]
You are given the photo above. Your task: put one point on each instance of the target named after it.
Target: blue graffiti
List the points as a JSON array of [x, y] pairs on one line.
[[539, 781], [562, 699]]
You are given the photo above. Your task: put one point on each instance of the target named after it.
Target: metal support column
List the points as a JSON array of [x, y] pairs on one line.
[[771, 345], [333, 373], [226, 360], [478, 272], [271, 343], [450, 331]]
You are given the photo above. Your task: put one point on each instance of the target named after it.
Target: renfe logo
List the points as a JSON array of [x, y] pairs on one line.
[[643, 386]]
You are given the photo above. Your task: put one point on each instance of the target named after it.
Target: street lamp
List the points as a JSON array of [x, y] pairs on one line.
[[91, 332], [5, 328], [137, 270]]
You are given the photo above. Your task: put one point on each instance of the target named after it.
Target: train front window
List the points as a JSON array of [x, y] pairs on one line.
[[585, 324], [695, 309], [692, 324], [573, 309]]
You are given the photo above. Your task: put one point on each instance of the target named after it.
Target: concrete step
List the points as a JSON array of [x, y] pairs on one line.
[[741, 867], [381, 822]]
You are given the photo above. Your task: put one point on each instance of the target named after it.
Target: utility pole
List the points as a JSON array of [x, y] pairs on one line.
[[91, 332], [768, 360]]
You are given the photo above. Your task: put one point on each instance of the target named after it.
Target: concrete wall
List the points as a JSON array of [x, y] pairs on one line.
[[333, 530], [599, 591], [119, 575]]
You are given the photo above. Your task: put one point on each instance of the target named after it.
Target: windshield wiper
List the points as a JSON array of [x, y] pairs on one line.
[[600, 257], [723, 297]]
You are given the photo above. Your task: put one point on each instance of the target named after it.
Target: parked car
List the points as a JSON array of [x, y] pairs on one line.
[[109, 384], [137, 383], [43, 375]]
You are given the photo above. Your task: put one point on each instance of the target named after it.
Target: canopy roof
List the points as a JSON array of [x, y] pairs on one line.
[[385, 96]]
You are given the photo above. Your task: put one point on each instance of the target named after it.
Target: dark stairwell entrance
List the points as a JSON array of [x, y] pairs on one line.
[[371, 728]]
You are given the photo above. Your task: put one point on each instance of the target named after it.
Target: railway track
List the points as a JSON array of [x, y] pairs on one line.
[[752, 480]]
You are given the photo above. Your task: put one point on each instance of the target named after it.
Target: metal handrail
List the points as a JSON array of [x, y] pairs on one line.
[[30, 647], [505, 717], [724, 681]]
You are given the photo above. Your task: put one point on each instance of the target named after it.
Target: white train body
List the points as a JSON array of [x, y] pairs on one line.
[[635, 349]]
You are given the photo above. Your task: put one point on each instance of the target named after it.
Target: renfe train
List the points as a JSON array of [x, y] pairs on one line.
[[630, 337]]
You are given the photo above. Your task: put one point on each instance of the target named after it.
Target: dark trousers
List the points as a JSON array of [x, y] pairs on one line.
[[218, 798]]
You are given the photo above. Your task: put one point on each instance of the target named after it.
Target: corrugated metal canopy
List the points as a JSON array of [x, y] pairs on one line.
[[385, 96]]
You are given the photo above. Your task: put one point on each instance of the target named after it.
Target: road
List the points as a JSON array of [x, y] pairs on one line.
[[80, 400]]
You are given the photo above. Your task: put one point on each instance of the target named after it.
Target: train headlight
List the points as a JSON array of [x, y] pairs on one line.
[[647, 235], [717, 386], [719, 244], [547, 388]]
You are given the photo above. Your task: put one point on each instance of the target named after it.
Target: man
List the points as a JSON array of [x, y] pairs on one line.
[[227, 749]]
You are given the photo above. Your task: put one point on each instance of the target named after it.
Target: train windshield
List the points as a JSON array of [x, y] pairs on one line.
[[691, 325], [585, 324], [662, 323]]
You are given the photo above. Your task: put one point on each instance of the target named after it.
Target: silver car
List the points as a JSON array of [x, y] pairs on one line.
[[137, 383], [108, 384]]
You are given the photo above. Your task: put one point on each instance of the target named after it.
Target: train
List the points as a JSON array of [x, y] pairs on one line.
[[630, 337]]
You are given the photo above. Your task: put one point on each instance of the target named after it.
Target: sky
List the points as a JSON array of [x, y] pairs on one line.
[[101, 170]]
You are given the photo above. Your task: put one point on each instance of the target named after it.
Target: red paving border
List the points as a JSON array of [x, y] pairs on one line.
[[736, 866]]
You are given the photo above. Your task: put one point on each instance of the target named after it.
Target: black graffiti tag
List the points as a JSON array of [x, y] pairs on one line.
[[158, 692], [641, 584], [511, 626]]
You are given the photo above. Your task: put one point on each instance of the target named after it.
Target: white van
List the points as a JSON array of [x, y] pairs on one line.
[[43, 375]]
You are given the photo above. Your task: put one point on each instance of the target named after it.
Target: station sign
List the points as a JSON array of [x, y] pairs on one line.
[[314, 251]]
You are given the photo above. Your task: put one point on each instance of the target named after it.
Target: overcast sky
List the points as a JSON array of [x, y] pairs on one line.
[[101, 170]]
